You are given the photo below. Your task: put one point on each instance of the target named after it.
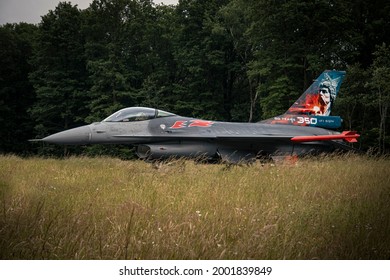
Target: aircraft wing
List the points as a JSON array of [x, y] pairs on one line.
[[347, 136], [168, 137]]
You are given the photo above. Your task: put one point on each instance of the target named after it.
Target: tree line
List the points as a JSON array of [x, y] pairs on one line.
[[230, 60]]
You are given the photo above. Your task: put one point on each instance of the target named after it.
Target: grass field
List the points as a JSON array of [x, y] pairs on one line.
[[103, 208]]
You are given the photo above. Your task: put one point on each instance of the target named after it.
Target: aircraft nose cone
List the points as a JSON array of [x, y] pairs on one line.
[[76, 136]]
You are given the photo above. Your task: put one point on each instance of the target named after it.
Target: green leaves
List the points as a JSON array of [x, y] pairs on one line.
[[16, 92], [229, 60]]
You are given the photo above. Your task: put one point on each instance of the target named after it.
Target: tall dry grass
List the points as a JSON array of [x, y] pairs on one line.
[[102, 208]]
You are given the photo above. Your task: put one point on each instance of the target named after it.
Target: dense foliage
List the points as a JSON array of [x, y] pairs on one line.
[[230, 60]]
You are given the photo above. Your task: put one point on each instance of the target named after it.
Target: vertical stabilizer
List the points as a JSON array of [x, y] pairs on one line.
[[318, 99], [314, 106]]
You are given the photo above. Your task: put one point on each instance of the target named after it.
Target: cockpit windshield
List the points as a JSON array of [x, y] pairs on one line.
[[137, 114]]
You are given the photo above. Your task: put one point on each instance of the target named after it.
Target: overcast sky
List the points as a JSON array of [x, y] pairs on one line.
[[30, 11]]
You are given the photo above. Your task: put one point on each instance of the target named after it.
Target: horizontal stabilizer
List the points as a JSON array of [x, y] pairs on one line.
[[348, 136]]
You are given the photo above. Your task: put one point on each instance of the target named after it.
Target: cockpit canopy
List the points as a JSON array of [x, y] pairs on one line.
[[133, 114]]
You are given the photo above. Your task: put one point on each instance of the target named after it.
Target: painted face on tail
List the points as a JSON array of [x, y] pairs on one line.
[[325, 95]]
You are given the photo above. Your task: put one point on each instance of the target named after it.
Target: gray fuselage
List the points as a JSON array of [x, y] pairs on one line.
[[176, 136]]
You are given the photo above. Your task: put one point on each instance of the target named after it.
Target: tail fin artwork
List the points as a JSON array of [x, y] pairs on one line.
[[314, 106]]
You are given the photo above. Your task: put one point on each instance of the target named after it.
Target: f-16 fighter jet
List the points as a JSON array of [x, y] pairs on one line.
[[306, 128]]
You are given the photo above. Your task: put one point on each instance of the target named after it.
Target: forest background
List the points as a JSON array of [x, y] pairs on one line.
[[228, 60]]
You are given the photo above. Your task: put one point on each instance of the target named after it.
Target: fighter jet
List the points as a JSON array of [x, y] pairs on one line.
[[306, 128]]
